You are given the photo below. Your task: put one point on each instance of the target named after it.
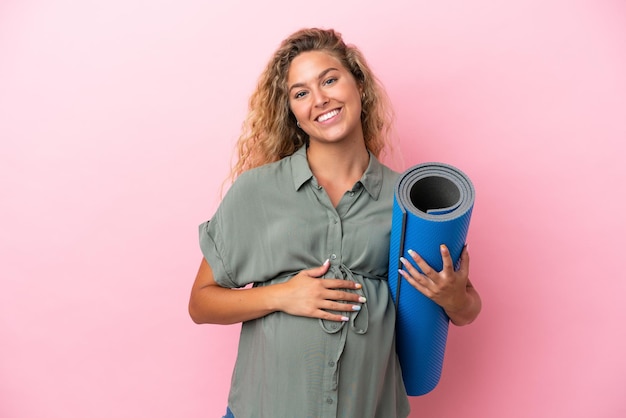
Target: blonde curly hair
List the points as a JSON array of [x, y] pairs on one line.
[[270, 132]]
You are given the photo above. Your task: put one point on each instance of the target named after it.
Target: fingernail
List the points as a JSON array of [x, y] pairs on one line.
[[362, 299], [356, 308], [326, 262], [402, 273], [345, 318], [411, 252], [403, 260], [357, 285], [442, 247]]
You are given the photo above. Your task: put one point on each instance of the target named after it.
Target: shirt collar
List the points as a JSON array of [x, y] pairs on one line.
[[300, 167], [371, 180]]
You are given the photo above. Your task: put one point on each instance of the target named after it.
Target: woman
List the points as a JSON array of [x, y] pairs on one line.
[[307, 221]]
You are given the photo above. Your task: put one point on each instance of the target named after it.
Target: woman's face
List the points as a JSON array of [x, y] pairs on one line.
[[325, 98]]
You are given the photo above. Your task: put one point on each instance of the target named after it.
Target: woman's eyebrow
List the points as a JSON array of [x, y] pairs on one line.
[[321, 75]]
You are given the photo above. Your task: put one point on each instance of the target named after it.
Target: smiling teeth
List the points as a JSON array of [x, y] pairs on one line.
[[328, 115]]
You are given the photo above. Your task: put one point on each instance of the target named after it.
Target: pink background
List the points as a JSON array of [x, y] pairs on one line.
[[117, 121]]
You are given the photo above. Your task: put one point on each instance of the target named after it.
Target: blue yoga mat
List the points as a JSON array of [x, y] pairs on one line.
[[433, 204]]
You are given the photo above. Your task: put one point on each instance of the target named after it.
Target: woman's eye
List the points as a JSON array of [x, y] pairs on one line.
[[330, 81], [300, 94]]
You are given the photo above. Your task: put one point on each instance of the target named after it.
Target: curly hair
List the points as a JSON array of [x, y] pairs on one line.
[[270, 133]]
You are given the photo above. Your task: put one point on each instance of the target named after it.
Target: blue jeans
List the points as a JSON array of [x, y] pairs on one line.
[[229, 414]]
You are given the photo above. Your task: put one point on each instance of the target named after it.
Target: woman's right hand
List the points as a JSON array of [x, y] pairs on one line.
[[307, 294]]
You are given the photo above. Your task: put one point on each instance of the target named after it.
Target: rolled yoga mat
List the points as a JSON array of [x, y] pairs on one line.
[[433, 204]]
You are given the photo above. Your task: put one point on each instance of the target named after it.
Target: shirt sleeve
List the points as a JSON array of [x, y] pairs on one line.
[[212, 249], [223, 238], [231, 241], [263, 229]]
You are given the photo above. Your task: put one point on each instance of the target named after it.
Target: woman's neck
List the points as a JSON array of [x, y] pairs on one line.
[[337, 168]]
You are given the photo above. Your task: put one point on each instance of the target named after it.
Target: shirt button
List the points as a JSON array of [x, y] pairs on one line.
[[329, 400], [331, 363], [333, 256]]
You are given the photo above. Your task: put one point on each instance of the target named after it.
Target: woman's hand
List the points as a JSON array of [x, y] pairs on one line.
[[307, 294], [450, 289]]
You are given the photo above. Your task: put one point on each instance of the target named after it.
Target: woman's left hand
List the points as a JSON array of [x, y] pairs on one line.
[[449, 288]]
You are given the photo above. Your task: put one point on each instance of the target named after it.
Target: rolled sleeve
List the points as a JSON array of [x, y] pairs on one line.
[[213, 254]]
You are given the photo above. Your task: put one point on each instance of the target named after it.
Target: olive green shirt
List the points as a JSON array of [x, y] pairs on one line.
[[274, 222]]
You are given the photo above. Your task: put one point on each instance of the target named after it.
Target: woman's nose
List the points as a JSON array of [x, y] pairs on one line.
[[320, 98]]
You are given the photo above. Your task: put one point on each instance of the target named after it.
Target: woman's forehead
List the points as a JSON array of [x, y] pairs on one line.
[[309, 65]]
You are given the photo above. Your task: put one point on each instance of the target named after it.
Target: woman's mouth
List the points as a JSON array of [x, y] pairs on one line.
[[328, 115]]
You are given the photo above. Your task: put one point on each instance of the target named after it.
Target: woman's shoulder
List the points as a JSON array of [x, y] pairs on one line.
[[388, 175], [270, 171], [389, 172], [257, 180]]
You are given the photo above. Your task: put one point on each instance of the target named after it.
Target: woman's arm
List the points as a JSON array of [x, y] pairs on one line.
[[304, 295], [450, 289]]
